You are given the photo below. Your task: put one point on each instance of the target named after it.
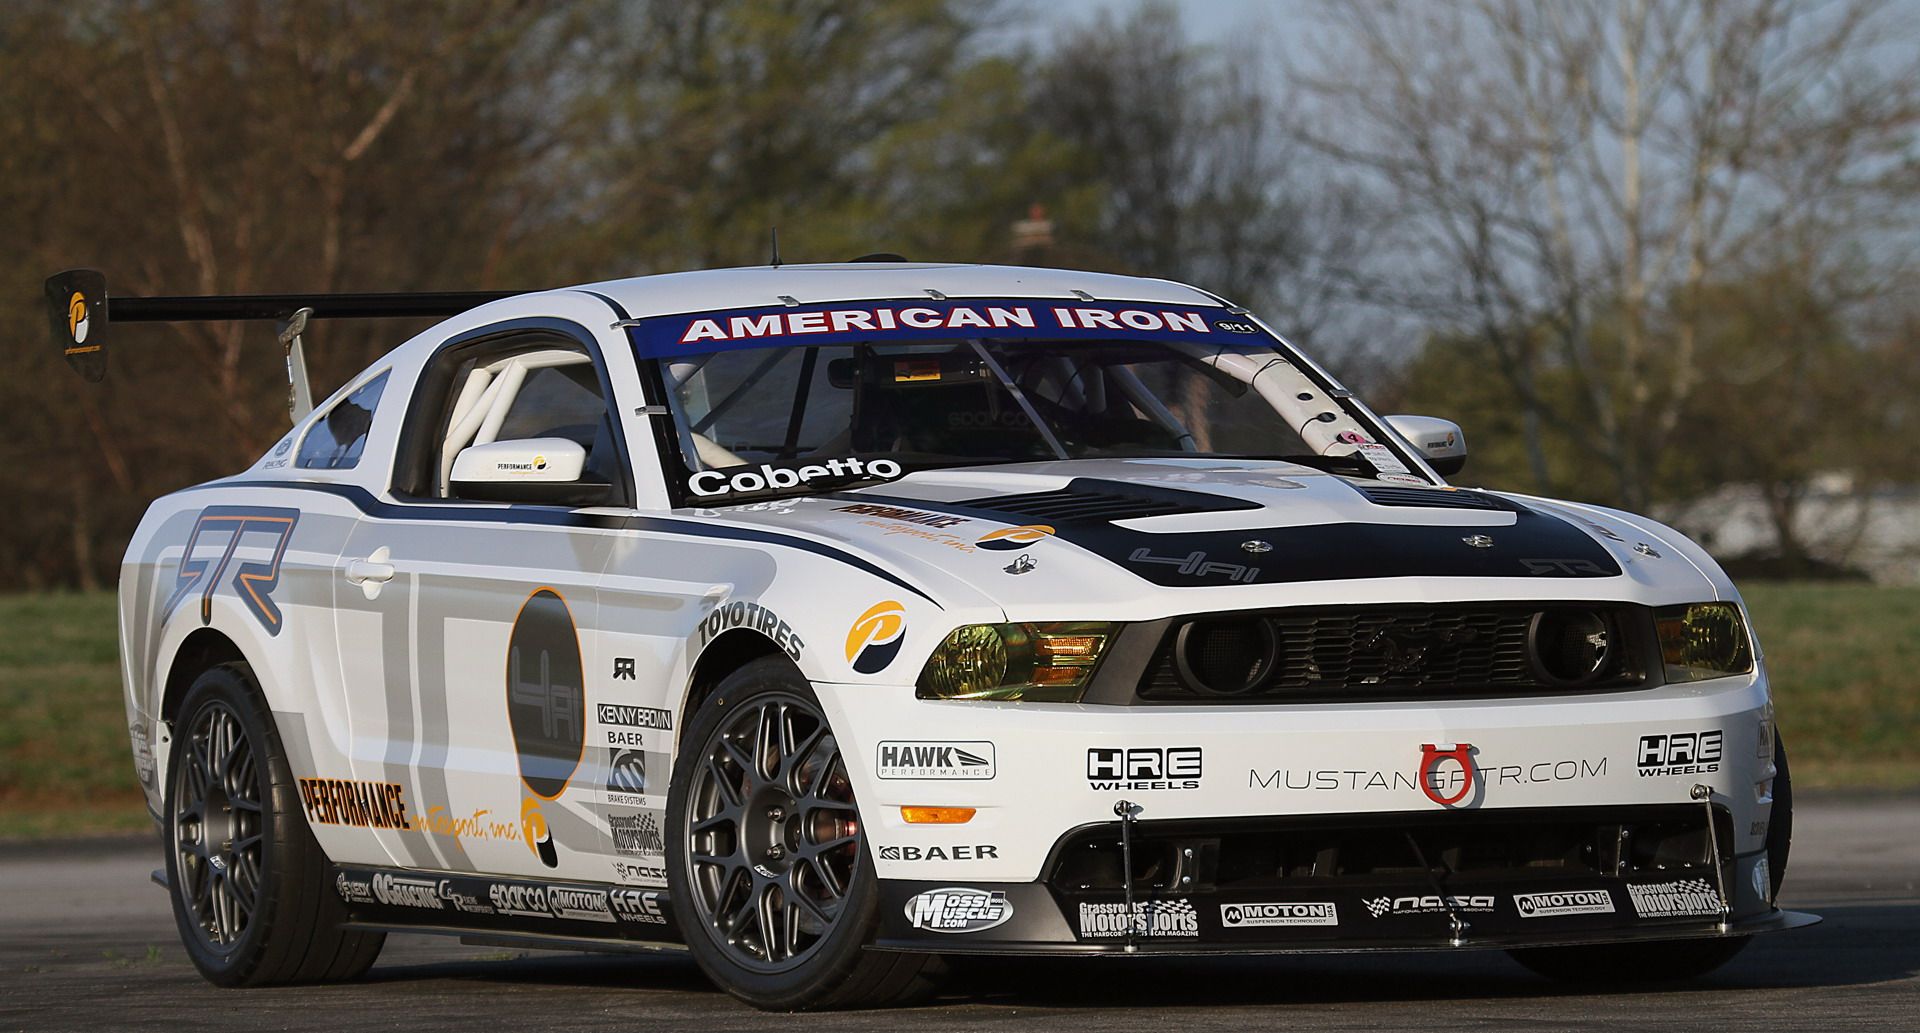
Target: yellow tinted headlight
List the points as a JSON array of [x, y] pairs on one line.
[[1703, 640], [1042, 663]]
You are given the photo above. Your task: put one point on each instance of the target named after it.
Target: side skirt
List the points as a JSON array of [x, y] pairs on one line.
[[497, 908]]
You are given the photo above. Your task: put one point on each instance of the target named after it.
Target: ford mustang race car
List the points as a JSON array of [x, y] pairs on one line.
[[823, 621]]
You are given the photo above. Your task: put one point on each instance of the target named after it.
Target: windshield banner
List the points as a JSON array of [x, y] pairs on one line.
[[855, 322]]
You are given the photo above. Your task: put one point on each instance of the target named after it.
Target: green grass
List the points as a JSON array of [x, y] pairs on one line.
[[1845, 660]]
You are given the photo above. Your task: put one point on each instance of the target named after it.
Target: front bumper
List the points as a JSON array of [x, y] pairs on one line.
[[1531, 853]]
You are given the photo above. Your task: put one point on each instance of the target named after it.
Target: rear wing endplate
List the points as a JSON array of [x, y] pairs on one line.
[[80, 313]]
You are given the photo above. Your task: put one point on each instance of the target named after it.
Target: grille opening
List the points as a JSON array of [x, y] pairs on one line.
[[1332, 654], [1225, 657], [1271, 853], [1571, 647]]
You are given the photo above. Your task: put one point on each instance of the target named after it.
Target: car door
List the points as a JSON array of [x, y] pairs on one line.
[[474, 694]]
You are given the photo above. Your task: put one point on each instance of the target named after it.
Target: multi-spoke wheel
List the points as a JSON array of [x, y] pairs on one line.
[[770, 877], [249, 883]]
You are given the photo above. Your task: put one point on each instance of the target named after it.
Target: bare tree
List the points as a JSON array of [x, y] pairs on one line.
[[1572, 174]]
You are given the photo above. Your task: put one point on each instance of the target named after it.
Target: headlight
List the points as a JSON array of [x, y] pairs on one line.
[[1039, 663], [1703, 640]]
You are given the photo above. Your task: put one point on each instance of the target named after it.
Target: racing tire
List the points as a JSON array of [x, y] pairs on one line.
[[247, 880], [1780, 823], [770, 877]]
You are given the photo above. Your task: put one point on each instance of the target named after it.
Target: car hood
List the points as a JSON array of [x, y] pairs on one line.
[[1141, 538]]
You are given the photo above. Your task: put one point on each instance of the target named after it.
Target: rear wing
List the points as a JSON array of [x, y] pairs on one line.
[[80, 314]]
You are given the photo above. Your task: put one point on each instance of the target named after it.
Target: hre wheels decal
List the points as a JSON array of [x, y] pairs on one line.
[[773, 837]]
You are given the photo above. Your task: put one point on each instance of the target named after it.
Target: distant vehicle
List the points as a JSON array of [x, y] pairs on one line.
[[827, 620]]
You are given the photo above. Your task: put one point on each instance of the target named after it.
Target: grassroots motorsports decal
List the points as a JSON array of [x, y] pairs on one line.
[[1687, 898], [668, 336], [1153, 918]]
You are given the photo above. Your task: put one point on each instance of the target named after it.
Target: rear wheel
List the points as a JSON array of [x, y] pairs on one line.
[[249, 883], [769, 873]]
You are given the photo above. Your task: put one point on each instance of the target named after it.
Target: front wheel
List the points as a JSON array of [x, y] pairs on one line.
[[767, 867]]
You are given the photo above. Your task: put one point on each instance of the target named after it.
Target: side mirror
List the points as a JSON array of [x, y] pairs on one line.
[[542, 470], [1442, 442]]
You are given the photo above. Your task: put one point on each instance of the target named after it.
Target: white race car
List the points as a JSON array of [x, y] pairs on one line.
[[830, 619]]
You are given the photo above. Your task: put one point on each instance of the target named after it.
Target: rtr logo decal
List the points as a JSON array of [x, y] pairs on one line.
[[876, 636], [218, 538], [1013, 539], [1431, 757]]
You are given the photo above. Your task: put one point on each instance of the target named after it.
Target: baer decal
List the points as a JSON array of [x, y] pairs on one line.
[[876, 636], [546, 709]]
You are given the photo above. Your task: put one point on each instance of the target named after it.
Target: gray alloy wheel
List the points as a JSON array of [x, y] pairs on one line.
[[774, 839], [216, 824], [251, 891], [769, 876]]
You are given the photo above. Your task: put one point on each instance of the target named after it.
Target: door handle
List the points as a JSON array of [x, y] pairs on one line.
[[372, 572]]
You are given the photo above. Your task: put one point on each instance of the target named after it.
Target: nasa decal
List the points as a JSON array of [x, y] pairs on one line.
[[546, 709], [876, 636], [1013, 539]]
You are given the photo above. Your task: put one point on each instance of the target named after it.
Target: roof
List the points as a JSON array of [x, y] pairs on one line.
[[712, 289]]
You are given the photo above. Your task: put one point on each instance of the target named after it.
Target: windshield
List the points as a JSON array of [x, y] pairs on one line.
[[756, 415]]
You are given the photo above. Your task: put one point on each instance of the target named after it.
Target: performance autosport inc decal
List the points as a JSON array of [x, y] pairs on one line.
[[1157, 918], [668, 336], [1685, 898], [1249, 916], [876, 635], [958, 909]]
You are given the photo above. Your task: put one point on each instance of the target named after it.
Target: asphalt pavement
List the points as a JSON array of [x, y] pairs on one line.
[[87, 943]]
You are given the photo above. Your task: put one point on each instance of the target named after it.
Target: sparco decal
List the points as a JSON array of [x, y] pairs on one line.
[[1431, 757], [514, 899], [876, 636], [1247, 916], [1148, 918], [401, 891], [958, 909], [1573, 902], [367, 805], [1688, 897], [971, 760], [982, 852], [713, 483], [1679, 753], [1380, 907], [753, 617], [1110, 769]]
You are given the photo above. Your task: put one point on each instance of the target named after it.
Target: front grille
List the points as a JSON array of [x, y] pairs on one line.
[[1369, 652], [1432, 498], [1237, 854]]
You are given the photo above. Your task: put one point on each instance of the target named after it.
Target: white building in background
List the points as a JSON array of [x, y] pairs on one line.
[[1876, 531]]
